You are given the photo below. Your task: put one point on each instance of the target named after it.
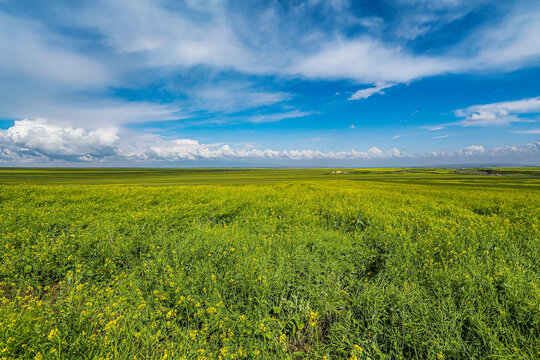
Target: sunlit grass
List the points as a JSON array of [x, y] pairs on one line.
[[342, 269]]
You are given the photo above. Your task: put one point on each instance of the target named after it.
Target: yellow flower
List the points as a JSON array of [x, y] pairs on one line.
[[38, 356], [313, 317], [52, 333], [358, 349], [440, 355]]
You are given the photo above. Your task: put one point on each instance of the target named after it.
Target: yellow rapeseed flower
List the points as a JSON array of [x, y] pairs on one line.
[[52, 333]]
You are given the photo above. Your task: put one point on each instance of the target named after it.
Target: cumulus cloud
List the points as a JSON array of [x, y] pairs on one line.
[[188, 149], [472, 150], [40, 141], [529, 149], [529, 152], [365, 93], [495, 114], [39, 138]]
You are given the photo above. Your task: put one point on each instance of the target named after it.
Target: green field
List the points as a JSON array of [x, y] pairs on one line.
[[269, 264]]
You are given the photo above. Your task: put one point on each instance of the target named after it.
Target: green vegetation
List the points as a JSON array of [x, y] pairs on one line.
[[268, 264]]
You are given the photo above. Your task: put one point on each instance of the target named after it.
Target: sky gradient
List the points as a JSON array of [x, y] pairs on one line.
[[269, 83]]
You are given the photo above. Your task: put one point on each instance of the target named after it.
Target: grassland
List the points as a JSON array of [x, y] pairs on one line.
[[269, 264]]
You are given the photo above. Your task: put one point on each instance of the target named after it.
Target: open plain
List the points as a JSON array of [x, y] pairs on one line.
[[268, 264]]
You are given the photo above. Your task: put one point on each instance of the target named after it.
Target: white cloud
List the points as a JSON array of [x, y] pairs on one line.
[[424, 16], [82, 111], [365, 93], [501, 113], [529, 149], [511, 42], [532, 131], [375, 152], [33, 54], [434, 128], [529, 152], [40, 141], [39, 138], [396, 137], [233, 96], [263, 44], [169, 38], [268, 118], [495, 114], [506, 45], [466, 152], [369, 61], [472, 150]]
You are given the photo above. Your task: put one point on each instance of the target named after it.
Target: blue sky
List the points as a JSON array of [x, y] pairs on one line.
[[269, 83]]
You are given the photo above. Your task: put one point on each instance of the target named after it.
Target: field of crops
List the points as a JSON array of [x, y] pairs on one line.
[[268, 265]]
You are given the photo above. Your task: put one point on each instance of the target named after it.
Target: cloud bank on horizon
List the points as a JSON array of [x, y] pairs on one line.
[[269, 82]]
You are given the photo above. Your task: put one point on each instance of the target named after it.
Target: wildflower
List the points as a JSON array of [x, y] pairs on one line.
[[52, 333], [313, 317]]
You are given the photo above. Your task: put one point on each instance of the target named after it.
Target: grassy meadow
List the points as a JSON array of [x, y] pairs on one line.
[[269, 264]]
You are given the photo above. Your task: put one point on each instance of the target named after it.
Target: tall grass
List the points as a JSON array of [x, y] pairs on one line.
[[314, 270]]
